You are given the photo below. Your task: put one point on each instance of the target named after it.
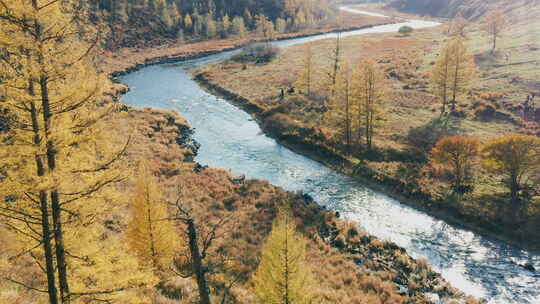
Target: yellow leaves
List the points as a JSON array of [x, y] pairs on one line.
[[305, 79], [452, 147], [283, 275], [512, 152], [456, 153], [453, 72], [150, 233]]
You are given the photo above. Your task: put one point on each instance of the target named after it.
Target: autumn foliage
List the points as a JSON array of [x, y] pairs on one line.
[[515, 157], [458, 155]]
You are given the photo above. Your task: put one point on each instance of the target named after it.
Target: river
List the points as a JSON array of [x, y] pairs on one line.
[[230, 139]]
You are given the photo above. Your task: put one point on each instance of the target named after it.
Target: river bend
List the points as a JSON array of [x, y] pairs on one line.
[[230, 139]]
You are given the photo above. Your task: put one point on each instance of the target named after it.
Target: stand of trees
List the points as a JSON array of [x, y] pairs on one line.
[[129, 21], [514, 157], [57, 164], [453, 73]]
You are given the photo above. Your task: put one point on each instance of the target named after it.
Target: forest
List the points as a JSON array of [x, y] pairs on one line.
[[132, 21]]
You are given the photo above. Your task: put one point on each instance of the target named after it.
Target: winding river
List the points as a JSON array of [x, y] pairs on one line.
[[230, 139]]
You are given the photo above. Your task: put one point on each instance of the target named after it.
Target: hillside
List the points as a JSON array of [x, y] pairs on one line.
[[472, 9], [129, 23]]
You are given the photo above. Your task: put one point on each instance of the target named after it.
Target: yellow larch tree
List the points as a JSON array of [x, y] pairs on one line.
[[305, 77], [283, 275], [369, 89], [150, 232], [495, 24], [440, 78], [343, 104], [462, 69], [453, 73], [59, 164]]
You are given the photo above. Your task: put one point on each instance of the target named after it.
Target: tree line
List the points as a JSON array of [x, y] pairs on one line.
[[191, 19]]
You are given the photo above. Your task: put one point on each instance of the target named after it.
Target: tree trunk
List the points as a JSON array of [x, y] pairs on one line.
[[45, 225], [47, 248], [347, 120], [60, 249], [55, 197], [198, 268]]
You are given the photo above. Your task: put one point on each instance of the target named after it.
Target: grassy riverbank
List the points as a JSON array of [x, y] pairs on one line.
[[407, 131], [124, 60]]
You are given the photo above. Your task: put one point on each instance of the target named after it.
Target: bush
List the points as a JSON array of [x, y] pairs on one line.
[[259, 53], [405, 30]]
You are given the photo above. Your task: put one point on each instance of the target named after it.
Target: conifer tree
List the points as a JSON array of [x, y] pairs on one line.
[[369, 89], [188, 22], [150, 234], [440, 78], [344, 104], [305, 78], [495, 24], [56, 157], [238, 26], [453, 73], [462, 69], [281, 25], [283, 275], [225, 25], [332, 73], [211, 28]]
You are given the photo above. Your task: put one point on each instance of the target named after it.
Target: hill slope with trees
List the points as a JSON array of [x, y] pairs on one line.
[[472, 9], [130, 22]]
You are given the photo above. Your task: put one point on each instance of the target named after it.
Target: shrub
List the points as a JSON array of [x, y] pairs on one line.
[[259, 53], [405, 30]]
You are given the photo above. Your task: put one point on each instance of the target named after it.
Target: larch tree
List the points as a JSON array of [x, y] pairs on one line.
[[369, 83], [283, 275], [264, 27], [440, 78], [225, 25], [238, 26], [344, 104], [462, 69], [281, 25], [332, 73], [453, 73], [458, 155], [495, 24], [150, 233], [514, 156], [458, 27], [188, 22], [305, 78], [58, 162]]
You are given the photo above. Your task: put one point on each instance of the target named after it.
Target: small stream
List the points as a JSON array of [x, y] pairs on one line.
[[230, 139]]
